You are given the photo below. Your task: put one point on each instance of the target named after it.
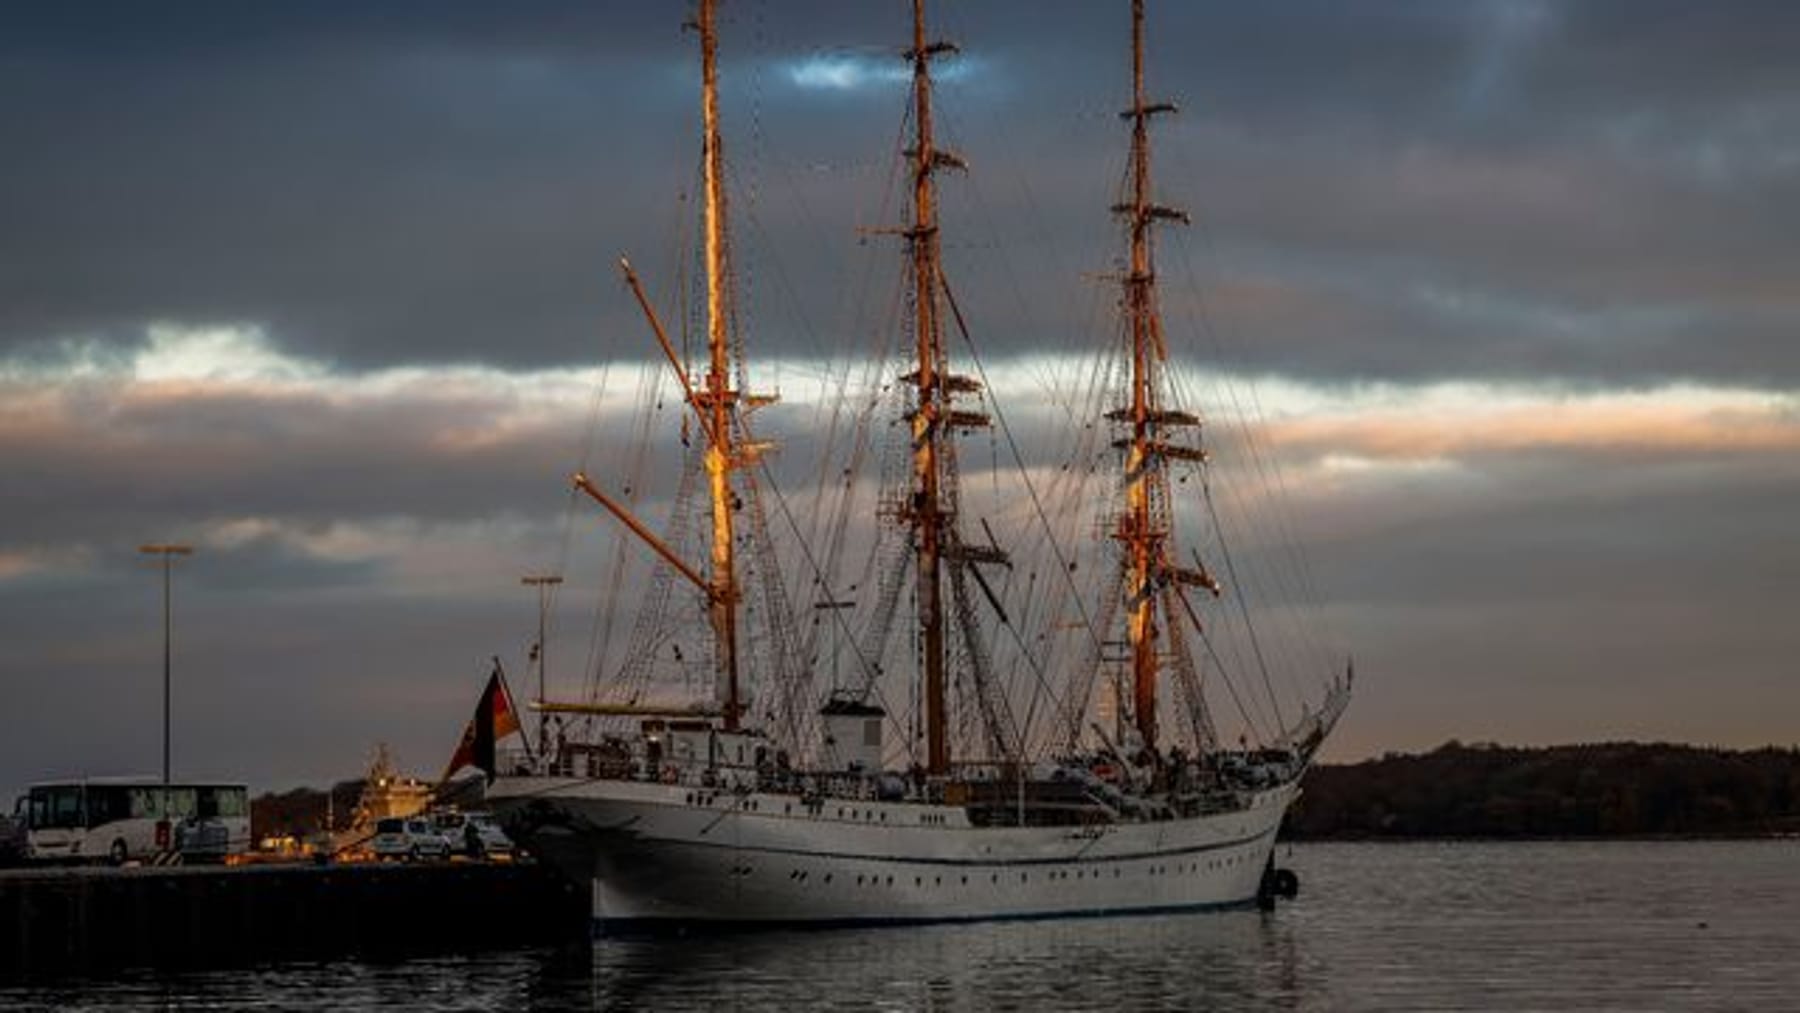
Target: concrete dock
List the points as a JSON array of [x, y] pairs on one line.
[[84, 920]]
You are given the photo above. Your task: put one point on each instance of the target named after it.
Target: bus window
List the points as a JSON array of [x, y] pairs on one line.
[[56, 808], [183, 802], [234, 801], [107, 803], [146, 803]]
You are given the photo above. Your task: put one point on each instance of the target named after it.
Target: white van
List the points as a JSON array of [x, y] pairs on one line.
[[411, 838]]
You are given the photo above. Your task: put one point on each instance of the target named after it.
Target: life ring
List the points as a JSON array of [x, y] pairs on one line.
[[668, 775], [1286, 883]]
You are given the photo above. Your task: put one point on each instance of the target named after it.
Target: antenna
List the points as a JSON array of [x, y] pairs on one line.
[[545, 584]]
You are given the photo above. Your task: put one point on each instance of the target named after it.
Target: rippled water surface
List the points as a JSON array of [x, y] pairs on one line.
[[1554, 926]]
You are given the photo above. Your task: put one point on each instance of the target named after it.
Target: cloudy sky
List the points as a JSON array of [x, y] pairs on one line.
[[328, 290]]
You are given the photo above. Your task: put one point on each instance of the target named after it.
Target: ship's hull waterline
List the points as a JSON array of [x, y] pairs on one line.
[[672, 855]]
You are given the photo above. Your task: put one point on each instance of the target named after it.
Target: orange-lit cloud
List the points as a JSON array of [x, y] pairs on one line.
[[1428, 426]]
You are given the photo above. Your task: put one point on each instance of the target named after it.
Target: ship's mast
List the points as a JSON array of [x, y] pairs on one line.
[[718, 399], [1144, 525], [926, 513]]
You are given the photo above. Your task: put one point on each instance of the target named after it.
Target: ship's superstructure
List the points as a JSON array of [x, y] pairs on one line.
[[801, 808]]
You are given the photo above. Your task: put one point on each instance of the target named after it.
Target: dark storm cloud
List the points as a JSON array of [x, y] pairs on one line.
[[414, 183]]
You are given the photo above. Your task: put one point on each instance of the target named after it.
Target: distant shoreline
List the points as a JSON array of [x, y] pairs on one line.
[[1771, 836], [1590, 792]]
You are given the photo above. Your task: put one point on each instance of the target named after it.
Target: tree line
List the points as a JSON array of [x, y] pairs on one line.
[[1613, 789]]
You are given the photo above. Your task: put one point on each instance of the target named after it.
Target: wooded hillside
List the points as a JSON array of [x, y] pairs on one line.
[[1601, 790]]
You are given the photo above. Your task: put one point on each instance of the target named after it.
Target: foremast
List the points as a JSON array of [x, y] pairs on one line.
[[715, 403], [1144, 528], [718, 401]]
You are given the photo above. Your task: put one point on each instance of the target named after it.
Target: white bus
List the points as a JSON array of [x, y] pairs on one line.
[[119, 819]]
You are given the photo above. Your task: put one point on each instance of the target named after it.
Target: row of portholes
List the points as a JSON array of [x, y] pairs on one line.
[[755, 805], [926, 819], [994, 878], [1194, 867], [801, 875]]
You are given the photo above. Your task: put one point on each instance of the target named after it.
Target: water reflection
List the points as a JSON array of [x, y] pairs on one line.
[[1227, 960], [1620, 926]]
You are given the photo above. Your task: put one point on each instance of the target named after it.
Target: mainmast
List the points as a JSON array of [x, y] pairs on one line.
[[1144, 527], [926, 513], [931, 508], [717, 399]]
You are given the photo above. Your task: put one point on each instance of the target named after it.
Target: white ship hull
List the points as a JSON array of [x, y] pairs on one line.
[[672, 854]]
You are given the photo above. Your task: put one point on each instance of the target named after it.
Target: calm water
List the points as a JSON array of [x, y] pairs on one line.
[[1627, 926]]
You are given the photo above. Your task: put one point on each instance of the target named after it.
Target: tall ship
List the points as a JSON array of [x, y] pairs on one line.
[[925, 748]]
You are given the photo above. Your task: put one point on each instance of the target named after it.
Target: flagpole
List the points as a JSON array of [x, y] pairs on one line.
[[472, 733], [513, 705]]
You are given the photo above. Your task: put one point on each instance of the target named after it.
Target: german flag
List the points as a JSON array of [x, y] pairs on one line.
[[495, 718]]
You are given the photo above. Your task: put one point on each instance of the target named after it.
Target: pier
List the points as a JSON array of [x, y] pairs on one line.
[[85, 920]]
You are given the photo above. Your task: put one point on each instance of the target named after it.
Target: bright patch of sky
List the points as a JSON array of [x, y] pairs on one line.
[[851, 71]]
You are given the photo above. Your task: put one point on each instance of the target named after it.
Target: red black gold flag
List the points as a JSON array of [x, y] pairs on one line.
[[495, 719]]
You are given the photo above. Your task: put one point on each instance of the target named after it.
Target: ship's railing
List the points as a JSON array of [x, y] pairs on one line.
[[1221, 781], [516, 761], [611, 764]]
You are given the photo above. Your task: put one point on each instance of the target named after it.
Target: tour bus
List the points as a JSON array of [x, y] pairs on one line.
[[119, 819]]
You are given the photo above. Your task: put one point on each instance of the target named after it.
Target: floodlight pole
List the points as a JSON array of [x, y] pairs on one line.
[[167, 553]]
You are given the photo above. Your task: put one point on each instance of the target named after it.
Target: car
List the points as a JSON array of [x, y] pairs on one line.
[[474, 834], [412, 838]]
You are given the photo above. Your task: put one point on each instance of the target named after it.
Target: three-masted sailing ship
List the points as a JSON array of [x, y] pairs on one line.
[[788, 805]]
